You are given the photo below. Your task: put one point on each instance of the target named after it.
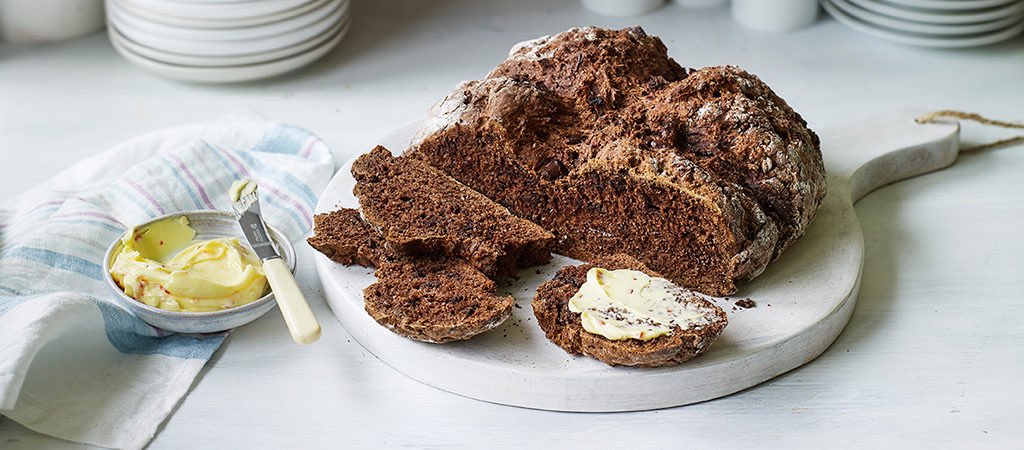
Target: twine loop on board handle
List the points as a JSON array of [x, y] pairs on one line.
[[933, 116]]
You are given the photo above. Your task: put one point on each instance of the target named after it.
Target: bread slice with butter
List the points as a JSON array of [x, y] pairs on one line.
[[668, 326]]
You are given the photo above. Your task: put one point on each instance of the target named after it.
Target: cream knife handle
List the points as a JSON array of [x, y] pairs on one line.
[[301, 322]]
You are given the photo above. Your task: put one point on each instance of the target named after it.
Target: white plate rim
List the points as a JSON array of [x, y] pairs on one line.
[[922, 41], [116, 13], [940, 17], [205, 61], [218, 11], [908, 26], [232, 48], [218, 24], [954, 5], [233, 73]]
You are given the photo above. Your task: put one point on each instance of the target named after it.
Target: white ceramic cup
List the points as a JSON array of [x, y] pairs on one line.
[[775, 15], [39, 21]]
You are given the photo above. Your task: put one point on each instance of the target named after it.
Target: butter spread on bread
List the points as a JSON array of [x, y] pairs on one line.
[[629, 304]]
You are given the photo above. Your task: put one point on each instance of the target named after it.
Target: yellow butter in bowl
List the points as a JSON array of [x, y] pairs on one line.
[[162, 266]]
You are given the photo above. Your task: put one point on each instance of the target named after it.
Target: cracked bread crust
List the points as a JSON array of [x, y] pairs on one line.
[[722, 171], [563, 327]]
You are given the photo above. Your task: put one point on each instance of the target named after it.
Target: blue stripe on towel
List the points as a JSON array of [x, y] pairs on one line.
[[134, 199], [184, 184], [293, 188], [59, 260], [95, 223], [130, 335], [8, 303], [285, 179]]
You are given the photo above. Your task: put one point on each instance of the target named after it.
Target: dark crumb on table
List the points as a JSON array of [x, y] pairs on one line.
[[538, 272], [516, 305], [746, 303]]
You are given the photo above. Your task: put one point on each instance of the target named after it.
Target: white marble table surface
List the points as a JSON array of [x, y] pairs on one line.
[[934, 354]]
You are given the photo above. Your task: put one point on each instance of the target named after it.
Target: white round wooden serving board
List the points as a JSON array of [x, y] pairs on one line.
[[804, 299]]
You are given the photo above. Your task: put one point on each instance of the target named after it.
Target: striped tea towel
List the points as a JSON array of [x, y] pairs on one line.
[[75, 365]]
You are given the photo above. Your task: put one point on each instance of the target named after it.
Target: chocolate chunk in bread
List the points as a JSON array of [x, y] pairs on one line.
[[421, 211], [563, 327], [346, 238], [435, 299], [598, 136]]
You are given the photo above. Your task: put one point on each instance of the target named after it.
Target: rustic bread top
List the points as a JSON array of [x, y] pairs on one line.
[[604, 86], [562, 109]]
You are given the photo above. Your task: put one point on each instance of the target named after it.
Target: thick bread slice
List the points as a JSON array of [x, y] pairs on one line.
[[346, 238], [435, 299], [563, 327], [432, 299], [420, 210]]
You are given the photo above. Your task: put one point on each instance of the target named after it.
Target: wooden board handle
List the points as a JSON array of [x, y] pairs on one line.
[[301, 322], [886, 148]]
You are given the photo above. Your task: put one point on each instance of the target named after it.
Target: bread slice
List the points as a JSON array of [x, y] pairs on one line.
[[435, 299], [421, 211], [563, 327], [344, 237]]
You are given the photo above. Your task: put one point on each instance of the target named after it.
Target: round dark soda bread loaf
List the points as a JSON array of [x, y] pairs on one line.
[[598, 136], [563, 327]]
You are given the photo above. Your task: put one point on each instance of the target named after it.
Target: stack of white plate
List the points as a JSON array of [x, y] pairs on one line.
[[225, 40], [933, 23]]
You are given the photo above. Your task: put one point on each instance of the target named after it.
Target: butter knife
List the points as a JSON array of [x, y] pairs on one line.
[[302, 324]]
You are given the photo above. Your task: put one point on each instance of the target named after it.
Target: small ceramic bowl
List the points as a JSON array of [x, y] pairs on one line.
[[208, 225]]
